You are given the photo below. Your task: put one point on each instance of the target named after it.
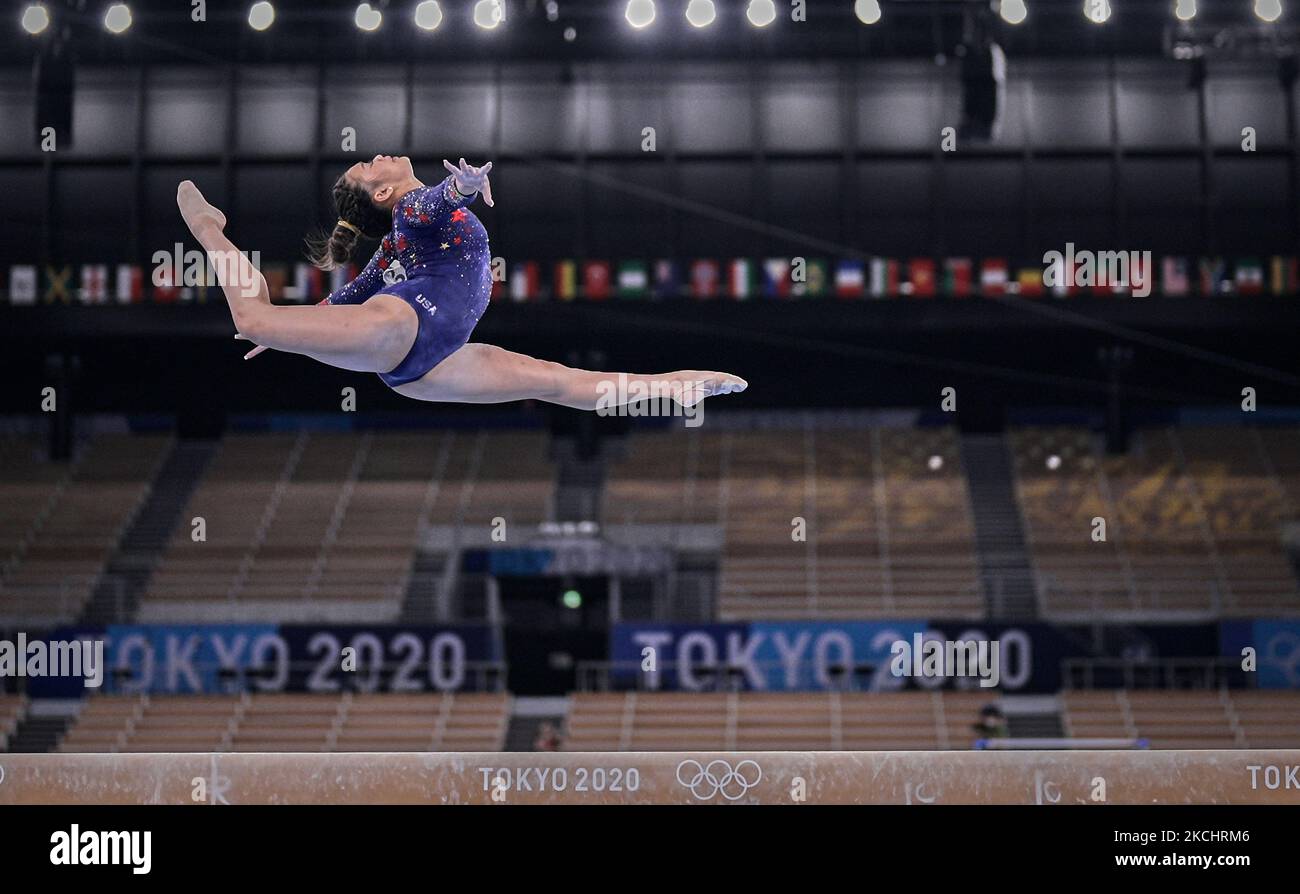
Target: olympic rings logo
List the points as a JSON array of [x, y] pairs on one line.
[[394, 273], [1283, 653], [718, 777]]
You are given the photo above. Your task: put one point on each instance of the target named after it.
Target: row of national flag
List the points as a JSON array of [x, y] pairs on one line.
[[735, 279]]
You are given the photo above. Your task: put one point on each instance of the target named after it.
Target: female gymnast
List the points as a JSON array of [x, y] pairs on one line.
[[408, 316]]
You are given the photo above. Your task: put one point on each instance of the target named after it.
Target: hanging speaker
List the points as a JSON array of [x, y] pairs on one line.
[[54, 87], [983, 85]]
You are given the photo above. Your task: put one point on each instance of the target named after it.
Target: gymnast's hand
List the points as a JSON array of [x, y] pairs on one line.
[[253, 353], [470, 179]]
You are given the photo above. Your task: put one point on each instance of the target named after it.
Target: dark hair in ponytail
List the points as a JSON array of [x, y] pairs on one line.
[[333, 249]]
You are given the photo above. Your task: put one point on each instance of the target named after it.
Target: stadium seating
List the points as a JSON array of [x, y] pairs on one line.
[[886, 535], [1267, 719], [59, 522], [905, 721], [761, 721], [326, 526], [1193, 522], [290, 722], [1186, 719], [883, 531], [666, 476], [1245, 505]]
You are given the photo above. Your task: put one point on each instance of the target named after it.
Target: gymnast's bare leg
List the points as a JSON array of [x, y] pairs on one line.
[[485, 374], [376, 335], [370, 337]]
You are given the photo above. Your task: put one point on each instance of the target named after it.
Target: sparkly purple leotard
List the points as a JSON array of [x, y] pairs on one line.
[[435, 259]]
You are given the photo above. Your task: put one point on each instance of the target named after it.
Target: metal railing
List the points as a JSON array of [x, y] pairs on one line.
[[306, 678], [1153, 673], [1098, 603], [606, 676]]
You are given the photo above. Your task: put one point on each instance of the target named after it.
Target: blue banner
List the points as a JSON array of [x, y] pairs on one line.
[[861, 656], [1277, 649], [759, 655], [219, 658]]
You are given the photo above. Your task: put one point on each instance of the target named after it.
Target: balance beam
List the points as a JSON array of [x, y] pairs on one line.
[[769, 777]]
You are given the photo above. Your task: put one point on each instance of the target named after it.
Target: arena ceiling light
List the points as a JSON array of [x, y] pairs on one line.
[[1013, 12], [701, 13], [867, 11], [36, 18], [1268, 10], [761, 13], [368, 18], [428, 15], [1184, 10], [489, 13], [1096, 11], [261, 15], [640, 13], [117, 18]]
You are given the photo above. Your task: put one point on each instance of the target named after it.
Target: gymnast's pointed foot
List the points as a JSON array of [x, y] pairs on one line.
[[200, 215], [698, 384]]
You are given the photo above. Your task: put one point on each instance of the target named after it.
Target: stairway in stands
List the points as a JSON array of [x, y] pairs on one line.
[[578, 482], [521, 735], [420, 603], [999, 532], [38, 734], [526, 719], [117, 592]]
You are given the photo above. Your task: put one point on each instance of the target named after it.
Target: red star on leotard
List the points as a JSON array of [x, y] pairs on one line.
[[456, 240], [458, 215], [424, 218], [383, 263]]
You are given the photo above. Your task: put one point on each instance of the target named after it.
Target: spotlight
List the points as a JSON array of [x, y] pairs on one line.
[[428, 15], [640, 12], [118, 18], [36, 18], [1096, 11], [1268, 10], [1013, 12], [572, 599], [867, 11], [570, 34], [261, 16], [761, 13], [1185, 10], [935, 463], [701, 13], [552, 10], [368, 18], [1053, 462], [489, 13]]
